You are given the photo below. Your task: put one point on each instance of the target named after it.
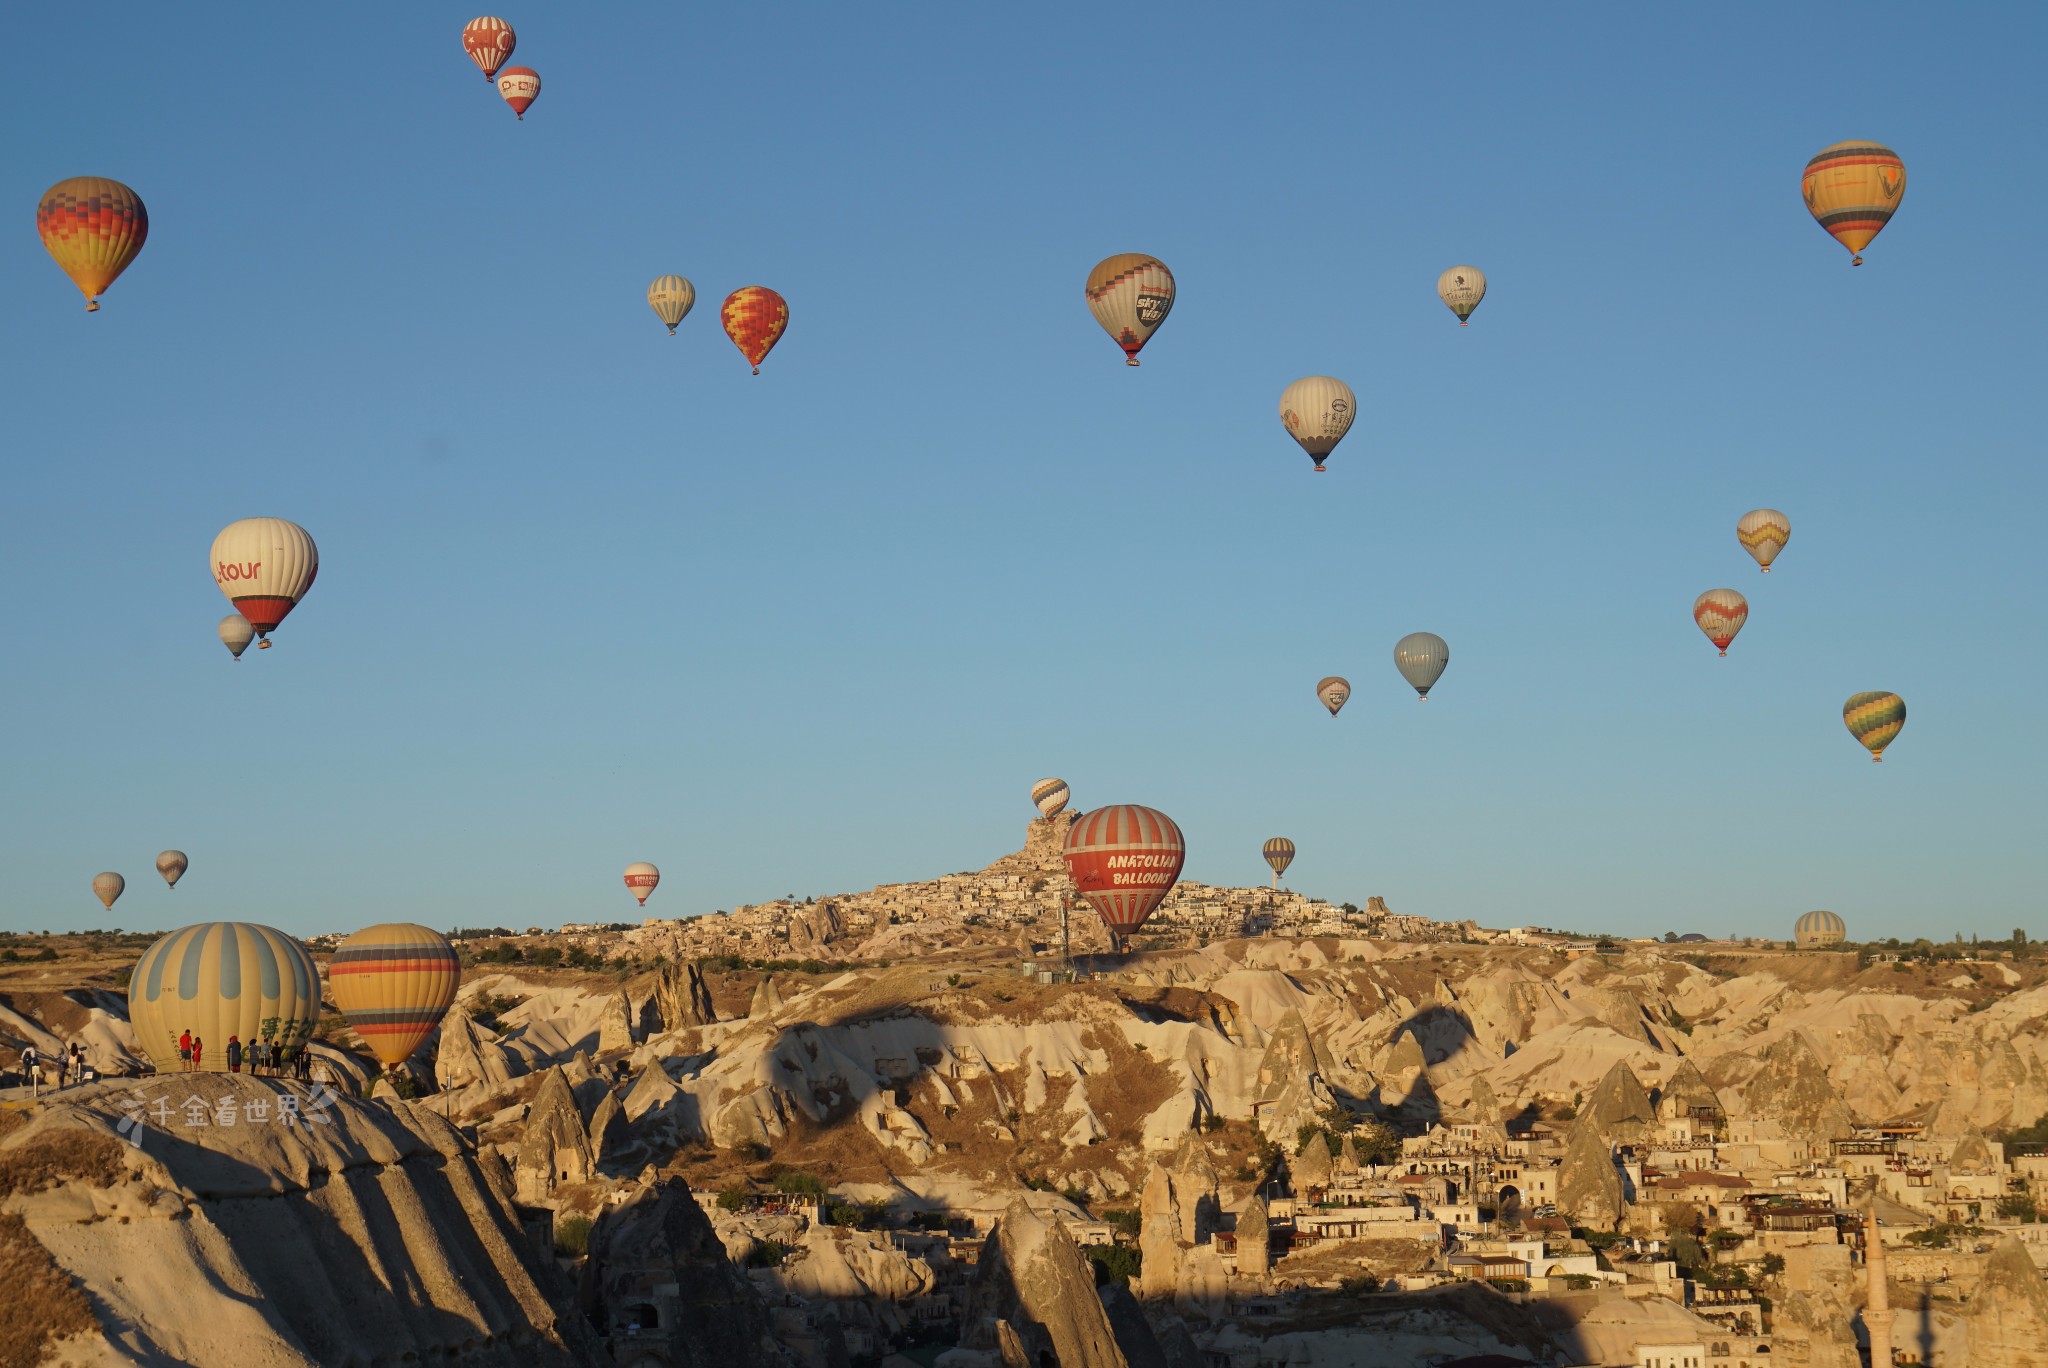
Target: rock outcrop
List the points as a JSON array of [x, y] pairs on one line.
[[1254, 1239], [1619, 1107], [1588, 1185], [1791, 1086], [1160, 1238], [555, 1148], [615, 1027], [1290, 1079], [682, 998], [767, 998], [1687, 1093], [2008, 1313], [608, 1132], [1311, 1169], [1033, 1297], [1196, 1191], [468, 1055]]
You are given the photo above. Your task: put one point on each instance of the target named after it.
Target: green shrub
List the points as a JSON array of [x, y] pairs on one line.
[[767, 1254], [1114, 1263], [799, 1184], [572, 1236], [733, 1197]]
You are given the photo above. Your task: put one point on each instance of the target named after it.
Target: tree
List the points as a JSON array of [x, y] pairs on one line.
[[1772, 1265], [733, 1197], [1671, 938], [2019, 1207]]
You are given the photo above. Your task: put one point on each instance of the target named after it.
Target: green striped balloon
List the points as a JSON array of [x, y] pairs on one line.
[[1874, 719]]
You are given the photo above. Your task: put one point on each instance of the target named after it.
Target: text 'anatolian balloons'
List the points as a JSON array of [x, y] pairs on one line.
[[1124, 859]]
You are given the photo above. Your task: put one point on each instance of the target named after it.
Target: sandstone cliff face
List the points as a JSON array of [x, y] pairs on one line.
[[1034, 1288], [682, 999], [1791, 1085]]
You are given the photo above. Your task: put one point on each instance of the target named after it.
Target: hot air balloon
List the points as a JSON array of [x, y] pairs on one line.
[[221, 979], [1279, 853], [264, 566], [1763, 533], [1051, 796], [641, 877], [1874, 719], [1720, 614], [1124, 859], [1421, 657], [1852, 189], [1318, 410], [1130, 295], [754, 318], [488, 41], [1333, 690], [671, 297], [236, 634], [1461, 288], [107, 887], [520, 87], [394, 983], [172, 864], [92, 227]]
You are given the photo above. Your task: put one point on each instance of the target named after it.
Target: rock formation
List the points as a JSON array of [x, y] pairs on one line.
[[1290, 1078], [1485, 1106], [467, 1054], [555, 1148], [1687, 1092], [681, 997], [1791, 1086], [1619, 1107], [1254, 1239], [1160, 1238], [1347, 1154], [1588, 1186], [1034, 1294], [1311, 1169], [2008, 1313], [651, 1091], [608, 1131], [1195, 1190], [615, 1027], [767, 998]]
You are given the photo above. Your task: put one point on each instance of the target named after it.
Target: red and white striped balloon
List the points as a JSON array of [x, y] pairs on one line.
[[1124, 860], [488, 40]]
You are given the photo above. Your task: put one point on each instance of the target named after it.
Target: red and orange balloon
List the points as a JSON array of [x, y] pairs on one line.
[[754, 318]]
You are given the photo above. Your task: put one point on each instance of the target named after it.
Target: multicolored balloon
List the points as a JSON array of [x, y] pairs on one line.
[[92, 228], [488, 41], [1051, 797], [1333, 690], [1461, 288], [236, 634], [1130, 295], [520, 87], [671, 297], [641, 878], [754, 317], [1124, 859], [217, 980], [107, 887], [172, 864], [1852, 189], [1874, 719], [1763, 533], [1317, 411], [264, 566], [1279, 853], [394, 983], [1421, 657], [1720, 613]]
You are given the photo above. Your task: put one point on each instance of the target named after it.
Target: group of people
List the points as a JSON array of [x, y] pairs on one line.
[[68, 1063], [271, 1057]]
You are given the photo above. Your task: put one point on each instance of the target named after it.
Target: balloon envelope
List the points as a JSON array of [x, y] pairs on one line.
[[394, 983], [172, 864], [1124, 860], [93, 228], [755, 318], [1763, 533], [1852, 190], [1461, 288], [671, 297], [1050, 795], [1317, 411], [1720, 613], [1421, 657], [107, 887], [1874, 719], [221, 979], [641, 877], [1279, 853], [264, 566], [488, 40], [1333, 690], [519, 87], [236, 634], [1130, 295]]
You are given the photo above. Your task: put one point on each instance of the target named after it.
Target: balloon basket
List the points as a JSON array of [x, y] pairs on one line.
[[263, 645], [1128, 360], [93, 306]]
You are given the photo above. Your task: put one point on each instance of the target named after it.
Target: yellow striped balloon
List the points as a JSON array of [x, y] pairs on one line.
[[1279, 853], [93, 228], [1874, 719], [220, 980], [1763, 533], [671, 298], [1720, 613], [1050, 796], [1852, 189], [1461, 288], [1130, 295], [107, 886], [394, 983], [1317, 411]]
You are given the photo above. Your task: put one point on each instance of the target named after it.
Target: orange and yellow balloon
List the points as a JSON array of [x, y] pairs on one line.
[[1852, 190], [92, 227], [754, 317], [1720, 613], [394, 983]]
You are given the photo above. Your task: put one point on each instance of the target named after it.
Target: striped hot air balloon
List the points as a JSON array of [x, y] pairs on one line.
[[1874, 719], [1720, 613], [519, 87], [1130, 295], [755, 318], [394, 983], [1763, 533], [1461, 288], [172, 864], [1421, 658], [92, 228], [1124, 859], [1317, 411], [671, 297], [641, 879], [1852, 189], [1051, 797], [1279, 853], [1333, 690], [264, 566], [108, 886], [222, 979], [488, 40]]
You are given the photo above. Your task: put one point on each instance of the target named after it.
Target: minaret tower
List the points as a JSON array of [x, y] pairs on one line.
[[1877, 1311]]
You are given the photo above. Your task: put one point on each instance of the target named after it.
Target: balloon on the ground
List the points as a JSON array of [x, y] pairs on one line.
[[1720, 613], [1461, 288], [1852, 189], [671, 297], [1874, 719], [1333, 690], [1130, 295], [1763, 533], [641, 877], [107, 887], [264, 566], [221, 979], [1124, 859], [755, 318], [172, 864], [1279, 853], [394, 983], [520, 87], [236, 634], [1051, 796], [1421, 657], [488, 40], [1317, 411], [92, 228]]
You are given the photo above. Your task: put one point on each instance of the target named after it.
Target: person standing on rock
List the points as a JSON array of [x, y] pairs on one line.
[[31, 1071], [63, 1067], [198, 1054], [185, 1052], [234, 1054]]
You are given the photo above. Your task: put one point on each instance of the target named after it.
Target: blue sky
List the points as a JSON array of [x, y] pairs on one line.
[[592, 594]]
